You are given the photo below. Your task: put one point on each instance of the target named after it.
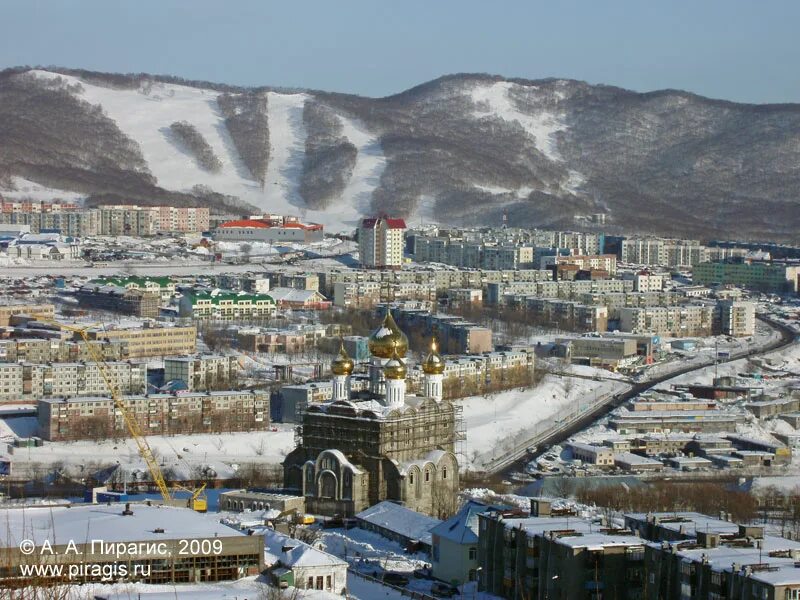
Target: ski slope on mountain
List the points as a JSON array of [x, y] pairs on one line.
[[287, 136], [370, 164], [493, 101], [145, 116]]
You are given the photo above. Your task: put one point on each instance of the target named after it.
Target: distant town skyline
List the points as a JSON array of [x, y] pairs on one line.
[[734, 50]]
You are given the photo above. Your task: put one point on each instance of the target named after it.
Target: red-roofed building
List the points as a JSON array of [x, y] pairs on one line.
[[380, 242], [260, 230]]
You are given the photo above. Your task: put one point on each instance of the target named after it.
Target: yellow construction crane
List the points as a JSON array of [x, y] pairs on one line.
[[198, 500]]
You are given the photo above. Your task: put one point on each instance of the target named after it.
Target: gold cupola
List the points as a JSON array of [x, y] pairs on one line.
[[388, 339], [342, 364], [394, 369], [434, 363]]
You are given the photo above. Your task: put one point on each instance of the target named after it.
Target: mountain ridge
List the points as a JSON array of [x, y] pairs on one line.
[[462, 148]]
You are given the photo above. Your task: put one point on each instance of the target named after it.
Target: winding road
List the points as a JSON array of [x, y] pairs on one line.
[[516, 459]]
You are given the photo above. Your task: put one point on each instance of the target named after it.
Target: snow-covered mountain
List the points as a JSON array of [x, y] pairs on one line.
[[460, 149]]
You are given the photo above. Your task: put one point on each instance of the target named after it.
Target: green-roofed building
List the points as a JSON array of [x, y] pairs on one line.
[[227, 306], [164, 286]]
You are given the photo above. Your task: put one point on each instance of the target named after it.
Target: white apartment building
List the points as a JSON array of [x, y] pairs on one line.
[[202, 373], [736, 318], [380, 242], [26, 381], [147, 220], [663, 252], [673, 321], [648, 282]]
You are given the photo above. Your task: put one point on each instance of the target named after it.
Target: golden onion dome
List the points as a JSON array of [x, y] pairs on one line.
[[387, 339], [342, 364], [434, 363], [395, 368]]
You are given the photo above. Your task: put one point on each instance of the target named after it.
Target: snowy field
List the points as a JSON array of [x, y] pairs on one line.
[[223, 452], [498, 423]]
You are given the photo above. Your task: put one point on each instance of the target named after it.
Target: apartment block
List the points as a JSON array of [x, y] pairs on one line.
[[763, 277], [673, 321], [737, 319], [560, 557], [590, 262], [163, 286], [136, 302], [39, 350], [148, 220], [380, 242], [202, 373], [35, 310], [662, 252], [225, 306], [22, 382], [68, 222], [157, 414], [563, 314], [151, 340], [455, 335]]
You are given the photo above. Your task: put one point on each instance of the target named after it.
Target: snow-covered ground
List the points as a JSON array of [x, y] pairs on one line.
[[24, 189], [223, 452], [497, 424]]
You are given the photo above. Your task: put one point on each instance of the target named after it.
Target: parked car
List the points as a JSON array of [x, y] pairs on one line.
[[443, 590], [397, 579]]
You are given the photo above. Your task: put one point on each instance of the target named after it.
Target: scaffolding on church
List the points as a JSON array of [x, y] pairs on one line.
[[414, 439]]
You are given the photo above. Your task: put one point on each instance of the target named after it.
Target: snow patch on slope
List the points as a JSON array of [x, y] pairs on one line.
[[145, 115], [370, 164], [287, 139], [493, 101], [24, 189]]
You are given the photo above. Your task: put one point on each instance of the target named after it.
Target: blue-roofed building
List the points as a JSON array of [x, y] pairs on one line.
[[454, 554]]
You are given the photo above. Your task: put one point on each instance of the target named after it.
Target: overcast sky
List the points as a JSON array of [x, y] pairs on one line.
[[734, 49]]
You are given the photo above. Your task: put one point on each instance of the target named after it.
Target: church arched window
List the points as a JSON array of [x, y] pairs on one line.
[[327, 485], [444, 472]]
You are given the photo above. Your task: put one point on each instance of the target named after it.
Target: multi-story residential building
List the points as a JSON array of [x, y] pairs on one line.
[[662, 252], [455, 335], [130, 301], [28, 381], [148, 220], [562, 314], [157, 414], [202, 373], [129, 220], [367, 294], [644, 281], [736, 318], [380, 242], [31, 309], [150, 340], [183, 219], [66, 219], [163, 286], [567, 290], [226, 306], [690, 555], [673, 321], [257, 230], [763, 277], [589, 262], [45, 350], [559, 557]]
